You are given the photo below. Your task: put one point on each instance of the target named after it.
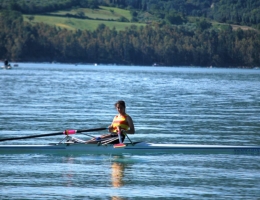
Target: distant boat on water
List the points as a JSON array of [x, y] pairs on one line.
[[7, 66]]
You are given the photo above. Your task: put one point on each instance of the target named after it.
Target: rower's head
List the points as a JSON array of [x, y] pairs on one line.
[[120, 106]]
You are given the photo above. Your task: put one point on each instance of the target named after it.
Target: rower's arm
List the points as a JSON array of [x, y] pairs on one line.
[[110, 128], [131, 126]]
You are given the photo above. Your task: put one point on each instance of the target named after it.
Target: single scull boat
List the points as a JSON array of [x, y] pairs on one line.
[[129, 148], [73, 145]]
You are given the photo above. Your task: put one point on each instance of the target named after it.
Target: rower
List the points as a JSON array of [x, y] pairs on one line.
[[6, 62], [121, 123]]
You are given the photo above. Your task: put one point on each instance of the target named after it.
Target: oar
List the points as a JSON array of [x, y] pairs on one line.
[[128, 138], [88, 135], [66, 132], [121, 144]]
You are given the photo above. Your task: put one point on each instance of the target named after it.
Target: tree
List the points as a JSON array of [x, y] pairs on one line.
[[174, 18], [30, 18], [203, 25]]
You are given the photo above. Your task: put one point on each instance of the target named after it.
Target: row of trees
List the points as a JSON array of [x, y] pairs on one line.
[[237, 12], [166, 45], [36, 7], [244, 12]]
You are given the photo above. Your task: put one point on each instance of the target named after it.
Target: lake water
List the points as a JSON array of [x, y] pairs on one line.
[[168, 105]]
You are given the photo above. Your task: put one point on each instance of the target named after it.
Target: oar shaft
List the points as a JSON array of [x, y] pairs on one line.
[[52, 134], [31, 136], [91, 130]]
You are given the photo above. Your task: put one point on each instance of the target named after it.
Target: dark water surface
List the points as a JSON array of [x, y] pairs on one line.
[[168, 105]]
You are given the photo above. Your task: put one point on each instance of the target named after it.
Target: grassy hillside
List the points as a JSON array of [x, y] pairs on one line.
[[105, 15], [82, 24], [90, 19]]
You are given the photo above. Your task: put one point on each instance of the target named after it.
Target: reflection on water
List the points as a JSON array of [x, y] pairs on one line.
[[117, 166], [68, 174], [117, 198], [117, 174], [112, 170]]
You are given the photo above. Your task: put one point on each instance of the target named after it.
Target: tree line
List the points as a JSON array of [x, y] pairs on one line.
[[39, 7], [165, 45], [240, 12]]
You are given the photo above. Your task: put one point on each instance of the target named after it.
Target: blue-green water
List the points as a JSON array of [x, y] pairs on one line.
[[168, 105]]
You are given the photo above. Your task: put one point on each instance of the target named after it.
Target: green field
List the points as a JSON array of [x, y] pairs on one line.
[[104, 15]]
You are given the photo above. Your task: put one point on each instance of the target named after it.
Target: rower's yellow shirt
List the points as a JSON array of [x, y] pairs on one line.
[[120, 121]]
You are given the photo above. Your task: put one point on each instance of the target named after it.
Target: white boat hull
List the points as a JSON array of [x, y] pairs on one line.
[[6, 67], [137, 148]]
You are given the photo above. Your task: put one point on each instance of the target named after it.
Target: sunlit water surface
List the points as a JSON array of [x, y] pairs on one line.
[[168, 105]]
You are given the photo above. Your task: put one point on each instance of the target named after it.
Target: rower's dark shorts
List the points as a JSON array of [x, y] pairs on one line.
[[112, 135]]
